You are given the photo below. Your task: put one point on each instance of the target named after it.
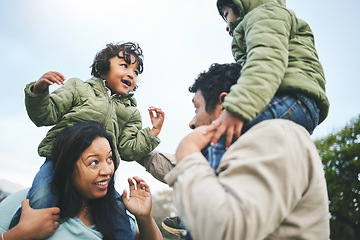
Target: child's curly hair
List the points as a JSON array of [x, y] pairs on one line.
[[101, 64]]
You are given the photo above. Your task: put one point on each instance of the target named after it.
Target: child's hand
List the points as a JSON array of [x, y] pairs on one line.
[[46, 80], [157, 120], [139, 202], [228, 123]]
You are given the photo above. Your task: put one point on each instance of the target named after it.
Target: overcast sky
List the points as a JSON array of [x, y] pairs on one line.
[[180, 39]]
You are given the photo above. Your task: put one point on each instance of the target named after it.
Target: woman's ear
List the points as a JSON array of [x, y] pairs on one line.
[[222, 97]]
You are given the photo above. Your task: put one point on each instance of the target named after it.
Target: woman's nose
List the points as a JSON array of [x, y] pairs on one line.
[[106, 169]]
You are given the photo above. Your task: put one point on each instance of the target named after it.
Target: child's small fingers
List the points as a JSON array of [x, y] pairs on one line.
[[209, 128], [60, 75], [48, 82], [160, 112], [215, 138], [229, 137], [151, 113]]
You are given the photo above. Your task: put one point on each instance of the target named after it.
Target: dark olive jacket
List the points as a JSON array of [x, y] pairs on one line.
[[78, 100], [278, 54]]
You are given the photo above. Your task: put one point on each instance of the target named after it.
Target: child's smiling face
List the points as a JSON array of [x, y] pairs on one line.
[[122, 76]]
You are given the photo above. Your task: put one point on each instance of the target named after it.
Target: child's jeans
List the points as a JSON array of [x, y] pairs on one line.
[[296, 107], [43, 195]]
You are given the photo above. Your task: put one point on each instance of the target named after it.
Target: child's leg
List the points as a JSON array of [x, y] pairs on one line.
[[295, 107], [41, 194], [120, 220]]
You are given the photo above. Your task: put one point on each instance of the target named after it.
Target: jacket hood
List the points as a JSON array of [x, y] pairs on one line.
[[246, 6]]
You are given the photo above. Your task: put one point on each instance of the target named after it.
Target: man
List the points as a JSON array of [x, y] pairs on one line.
[[210, 89], [269, 184]]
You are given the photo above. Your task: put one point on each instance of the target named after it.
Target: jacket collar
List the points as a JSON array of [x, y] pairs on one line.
[[102, 89], [101, 84]]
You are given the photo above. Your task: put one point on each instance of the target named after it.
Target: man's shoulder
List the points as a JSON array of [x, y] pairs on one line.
[[275, 133]]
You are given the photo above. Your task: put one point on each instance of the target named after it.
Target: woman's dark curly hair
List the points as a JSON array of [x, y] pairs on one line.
[[219, 78], [101, 64]]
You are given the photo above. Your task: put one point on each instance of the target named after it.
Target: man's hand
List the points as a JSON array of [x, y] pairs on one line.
[[193, 142], [38, 223], [46, 80], [226, 123]]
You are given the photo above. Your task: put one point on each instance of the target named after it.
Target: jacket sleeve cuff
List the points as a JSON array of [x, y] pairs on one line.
[[30, 94], [152, 139]]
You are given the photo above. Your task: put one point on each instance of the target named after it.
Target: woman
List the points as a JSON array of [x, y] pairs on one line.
[[83, 177]]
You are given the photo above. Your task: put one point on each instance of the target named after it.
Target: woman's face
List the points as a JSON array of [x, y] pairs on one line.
[[95, 168]]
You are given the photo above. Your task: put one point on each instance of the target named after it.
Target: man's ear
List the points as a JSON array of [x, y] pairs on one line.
[[222, 97]]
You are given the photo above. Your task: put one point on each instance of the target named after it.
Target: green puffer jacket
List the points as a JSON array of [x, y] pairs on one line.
[[278, 54], [78, 100]]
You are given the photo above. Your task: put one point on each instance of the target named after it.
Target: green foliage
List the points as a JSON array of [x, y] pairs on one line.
[[340, 156]]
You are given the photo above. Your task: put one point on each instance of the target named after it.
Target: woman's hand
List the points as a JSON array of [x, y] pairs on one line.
[[139, 202]]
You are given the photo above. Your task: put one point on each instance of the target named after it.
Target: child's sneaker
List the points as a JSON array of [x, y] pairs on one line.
[[173, 226]]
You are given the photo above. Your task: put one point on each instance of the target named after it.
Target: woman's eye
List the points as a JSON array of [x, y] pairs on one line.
[[136, 73], [110, 159], [94, 163], [124, 65]]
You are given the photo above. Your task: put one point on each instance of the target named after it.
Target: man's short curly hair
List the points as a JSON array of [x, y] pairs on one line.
[[219, 78]]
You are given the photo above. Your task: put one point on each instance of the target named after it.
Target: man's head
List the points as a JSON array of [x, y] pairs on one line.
[[119, 64], [211, 88]]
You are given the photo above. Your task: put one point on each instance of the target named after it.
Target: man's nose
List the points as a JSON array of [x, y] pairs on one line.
[[192, 124]]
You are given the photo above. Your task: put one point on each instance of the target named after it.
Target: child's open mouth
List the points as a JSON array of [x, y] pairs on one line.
[[128, 83]]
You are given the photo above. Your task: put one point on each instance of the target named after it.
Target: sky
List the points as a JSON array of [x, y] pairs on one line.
[[180, 39]]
